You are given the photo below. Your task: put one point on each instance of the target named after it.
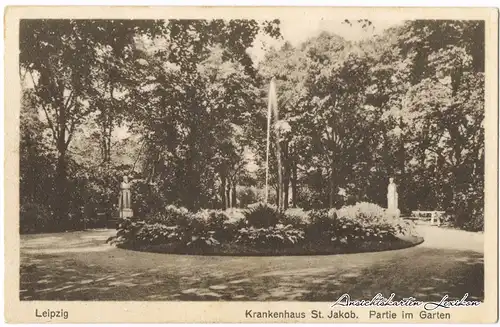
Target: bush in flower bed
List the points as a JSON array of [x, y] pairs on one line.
[[262, 215], [330, 228], [278, 236], [263, 229], [296, 217], [374, 217]]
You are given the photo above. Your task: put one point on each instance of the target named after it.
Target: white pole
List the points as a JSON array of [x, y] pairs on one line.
[[268, 140]]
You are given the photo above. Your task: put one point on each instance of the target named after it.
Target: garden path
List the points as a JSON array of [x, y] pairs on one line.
[[80, 266]]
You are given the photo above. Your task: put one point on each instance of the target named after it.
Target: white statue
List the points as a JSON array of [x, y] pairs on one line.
[[124, 201], [392, 198]]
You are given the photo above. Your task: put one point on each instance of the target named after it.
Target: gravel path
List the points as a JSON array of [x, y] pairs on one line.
[[80, 266]]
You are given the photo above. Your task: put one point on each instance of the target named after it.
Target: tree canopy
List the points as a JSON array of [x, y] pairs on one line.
[[407, 103]]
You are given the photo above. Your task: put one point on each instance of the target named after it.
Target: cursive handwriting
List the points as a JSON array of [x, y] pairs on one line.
[[377, 301], [449, 304], [380, 301]]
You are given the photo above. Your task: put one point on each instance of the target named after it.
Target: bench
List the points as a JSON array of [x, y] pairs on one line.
[[435, 216]]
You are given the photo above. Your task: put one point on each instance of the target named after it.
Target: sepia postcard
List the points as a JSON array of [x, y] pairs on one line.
[[251, 165]]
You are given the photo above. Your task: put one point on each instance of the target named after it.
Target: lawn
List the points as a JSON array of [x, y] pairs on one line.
[[80, 266]]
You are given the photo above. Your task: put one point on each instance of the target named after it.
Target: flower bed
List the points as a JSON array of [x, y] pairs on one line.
[[263, 230]]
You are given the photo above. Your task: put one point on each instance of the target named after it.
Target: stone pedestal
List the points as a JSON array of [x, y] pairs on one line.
[[126, 213], [394, 213], [124, 201]]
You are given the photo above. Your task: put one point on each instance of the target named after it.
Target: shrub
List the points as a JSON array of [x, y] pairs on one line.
[[295, 217], [171, 216], [350, 231], [364, 212], [212, 218], [309, 198], [203, 240], [467, 209], [248, 195], [262, 216], [127, 232], [352, 225], [154, 234], [177, 228], [263, 228], [322, 225], [371, 215], [235, 215], [176, 237], [216, 225], [278, 236], [147, 199], [475, 222], [35, 217]]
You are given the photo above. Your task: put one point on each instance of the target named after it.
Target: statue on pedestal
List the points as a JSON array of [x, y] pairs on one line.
[[392, 198], [124, 201]]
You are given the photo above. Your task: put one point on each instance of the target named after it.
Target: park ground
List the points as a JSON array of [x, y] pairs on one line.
[[81, 266]]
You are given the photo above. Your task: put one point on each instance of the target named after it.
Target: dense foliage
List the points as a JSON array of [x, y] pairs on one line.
[[180, 107], [360, 227]]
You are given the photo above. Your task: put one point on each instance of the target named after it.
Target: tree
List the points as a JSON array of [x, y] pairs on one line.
[[200, 76], [36, 159], [332, 111], [408, 103], [445, 109], [60, 58]]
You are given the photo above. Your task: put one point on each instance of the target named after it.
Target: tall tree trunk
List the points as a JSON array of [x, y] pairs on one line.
[[193, 192], [228, 195], [108, 138], [286, 193], [223, 191], [107, 125], [294, 184], [286, 177], [106, 131], [28, 189], [110, 120], [402, 163], [61, 203], [233, 196], [330, 189], [280, 178]]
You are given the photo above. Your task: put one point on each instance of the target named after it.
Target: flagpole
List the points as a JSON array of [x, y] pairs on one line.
[[268, 140]]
